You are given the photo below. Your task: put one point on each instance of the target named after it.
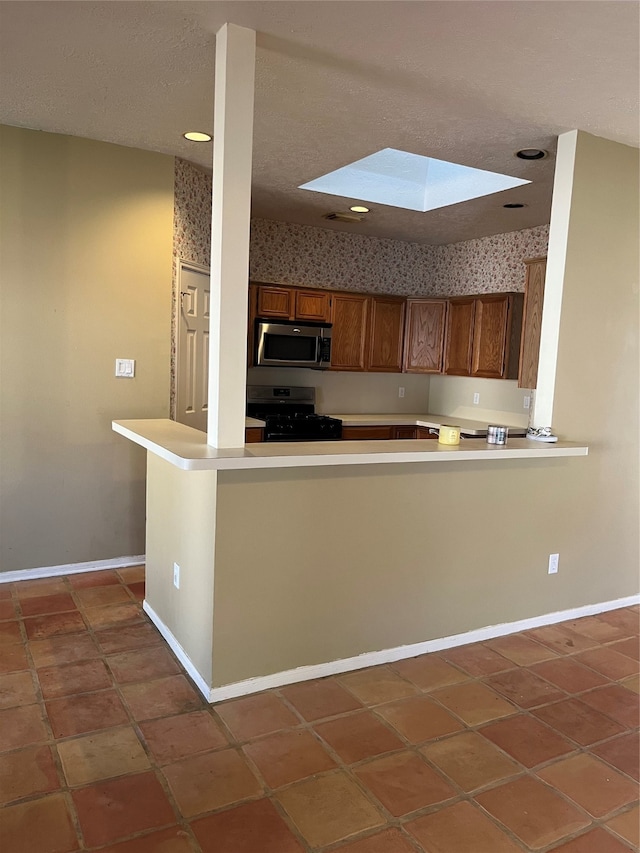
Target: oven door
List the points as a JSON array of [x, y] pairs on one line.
[[290, 345]]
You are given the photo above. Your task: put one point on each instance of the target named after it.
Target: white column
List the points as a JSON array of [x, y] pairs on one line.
[[231, 207]]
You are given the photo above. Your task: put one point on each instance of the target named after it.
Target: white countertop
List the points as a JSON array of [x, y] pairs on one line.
[[428, 420], [253, 422], [187, 448]]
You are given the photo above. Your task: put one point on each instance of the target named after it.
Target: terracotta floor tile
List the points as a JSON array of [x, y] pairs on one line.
[[102, 755], [143, 664], [358, 736], [7, 610], [630, 648], [39, 587], [10, 633], [27, 772], [477, 659], [578, 721], [17, 688], [387, 841], [470, 760], [251, 828], [41, 605], [420, 719], [624, 618], [68, 648], [594, 841], [21, 727], [137, 590], [131, 574], [623, 752], [527, 740], [524, 688], [460, 827], [83, 580], [561, 639], [172, 738], [474, 703], [329, 808], [161, 697], [520, 649], [211, 780], [256, 715], [314, 700], [6, 591], [105, 809], [377, 685], [172, 840], [95, 596], [80, 677], [404, 783], [591, 783], [85, 712], [609, 663], [632, 683], [13, 659], [596, 629], [113, 614], [568, 674], [43, 825], [41, 627], [288, 756], [126, 637], [616, 702], [428, 672], [627, 826], [533, 812]]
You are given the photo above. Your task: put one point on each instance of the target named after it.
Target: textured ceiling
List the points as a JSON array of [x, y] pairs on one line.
[[470, 82]]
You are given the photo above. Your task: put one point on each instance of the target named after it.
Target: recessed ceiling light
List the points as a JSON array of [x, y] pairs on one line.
[[513, 205], [196, 136], [532, 154], [358, 208]]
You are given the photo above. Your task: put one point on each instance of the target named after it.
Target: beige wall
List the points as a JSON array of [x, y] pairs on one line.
[[318, 564], [500, 399], [85, 273]]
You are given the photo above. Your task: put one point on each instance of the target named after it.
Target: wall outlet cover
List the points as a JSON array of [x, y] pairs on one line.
[[553, 563]]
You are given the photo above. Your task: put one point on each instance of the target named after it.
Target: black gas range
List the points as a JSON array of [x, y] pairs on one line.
[[289, 414]]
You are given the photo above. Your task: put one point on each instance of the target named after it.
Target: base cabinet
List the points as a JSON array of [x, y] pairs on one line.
[[253, 435], [366, 433]]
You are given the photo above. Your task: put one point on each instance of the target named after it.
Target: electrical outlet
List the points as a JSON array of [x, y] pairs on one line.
[[553, 563], [476, 399], [401, 391], [176, 575], [526, 402]]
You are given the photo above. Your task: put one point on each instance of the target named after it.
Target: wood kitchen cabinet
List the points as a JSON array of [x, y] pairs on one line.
[[386, 334], [289, 303], [276, 302], [349, 337], [424, 335], [366, 433], [253, 435], [483, 336], [314, 305], [531, 322]]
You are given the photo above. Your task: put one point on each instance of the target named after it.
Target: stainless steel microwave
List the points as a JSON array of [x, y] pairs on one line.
[[286, 343]]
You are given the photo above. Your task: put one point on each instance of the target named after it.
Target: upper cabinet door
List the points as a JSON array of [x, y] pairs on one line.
[[490, 336], [459, 337], [276, 302], [313, 305], [424, 335], [386, 332], [532, 323], [349, 315]]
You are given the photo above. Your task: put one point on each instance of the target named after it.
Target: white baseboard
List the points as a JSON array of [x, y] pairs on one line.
[[178, 651], [322, 670], [71, 569]]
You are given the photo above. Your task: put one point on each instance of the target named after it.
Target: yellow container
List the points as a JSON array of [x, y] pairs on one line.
[[449, 434]]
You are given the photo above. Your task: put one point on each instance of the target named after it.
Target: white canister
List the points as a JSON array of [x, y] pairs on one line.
[[497, 434], [449, 434]]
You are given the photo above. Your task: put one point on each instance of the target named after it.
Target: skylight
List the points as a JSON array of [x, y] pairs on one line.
[[401, 179]]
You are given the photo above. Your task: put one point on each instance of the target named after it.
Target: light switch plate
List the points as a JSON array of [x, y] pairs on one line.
[[126, 367]]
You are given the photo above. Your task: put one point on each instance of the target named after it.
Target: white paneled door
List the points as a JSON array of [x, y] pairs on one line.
[[192, 367]]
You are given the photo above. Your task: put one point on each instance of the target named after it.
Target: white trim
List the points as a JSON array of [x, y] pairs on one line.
[[71, 569], [178, 651], [321, 670]]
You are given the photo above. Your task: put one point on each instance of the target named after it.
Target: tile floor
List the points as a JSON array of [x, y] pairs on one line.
[[523, 743]]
